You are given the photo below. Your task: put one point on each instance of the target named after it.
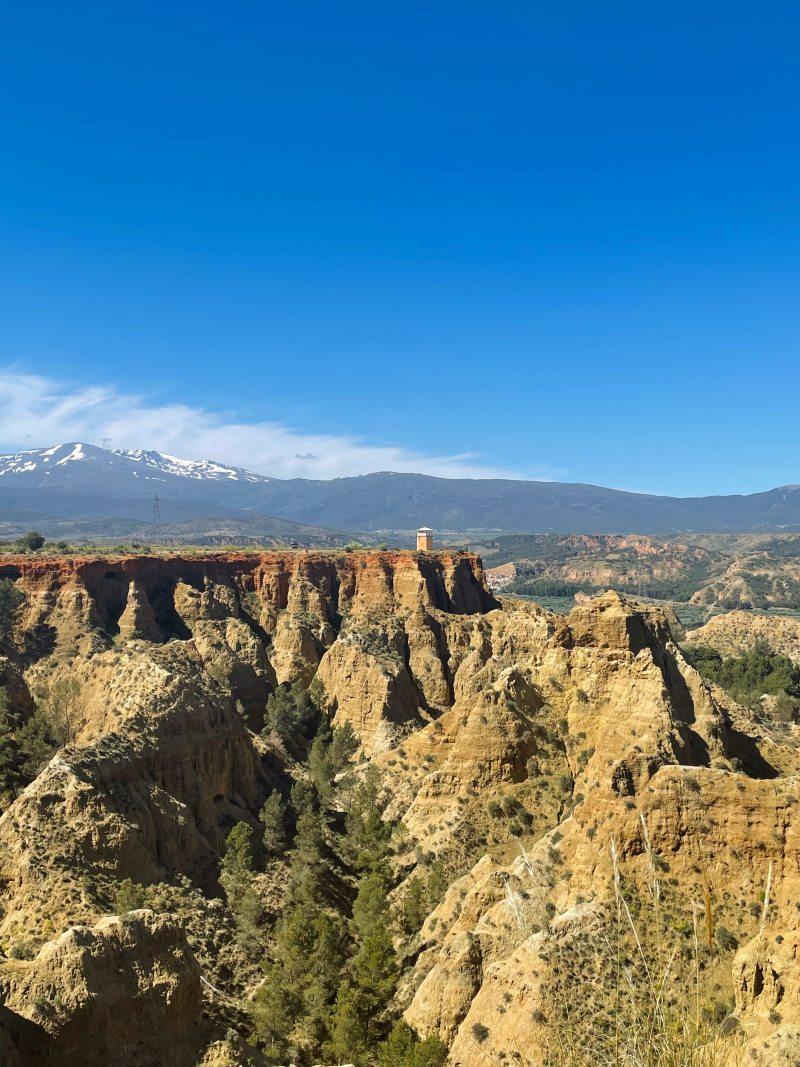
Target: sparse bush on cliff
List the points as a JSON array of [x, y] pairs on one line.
[[480, 1032], [21, 950], [129, 896], [31, 541]]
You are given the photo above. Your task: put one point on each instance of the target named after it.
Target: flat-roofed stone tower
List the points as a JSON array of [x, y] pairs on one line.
[[424, 539]]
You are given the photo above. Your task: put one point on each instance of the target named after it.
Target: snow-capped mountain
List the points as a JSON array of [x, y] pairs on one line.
[[79, 480], [44, 462], [188, 468]]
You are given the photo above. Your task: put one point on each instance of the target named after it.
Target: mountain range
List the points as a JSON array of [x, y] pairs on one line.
[[82, 483]]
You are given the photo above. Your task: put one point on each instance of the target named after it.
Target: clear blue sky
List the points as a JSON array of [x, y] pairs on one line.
[[564, 238]]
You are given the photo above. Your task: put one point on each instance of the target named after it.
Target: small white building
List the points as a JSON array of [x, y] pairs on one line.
[[424, 539]]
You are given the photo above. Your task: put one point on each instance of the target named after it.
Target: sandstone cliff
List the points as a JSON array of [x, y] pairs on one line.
[[264, 618]]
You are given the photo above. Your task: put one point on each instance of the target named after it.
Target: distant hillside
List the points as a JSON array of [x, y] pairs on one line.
[[82, 482], [712, 572], [547, 565]]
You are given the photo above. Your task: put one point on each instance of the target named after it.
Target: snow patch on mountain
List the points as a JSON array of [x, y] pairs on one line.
[[76, 453], [188, 468]]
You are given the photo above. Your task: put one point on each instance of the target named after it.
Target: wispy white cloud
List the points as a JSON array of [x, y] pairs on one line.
[[36, 412]]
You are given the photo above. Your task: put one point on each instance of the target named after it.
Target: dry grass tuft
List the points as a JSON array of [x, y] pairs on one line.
[[640, 989]]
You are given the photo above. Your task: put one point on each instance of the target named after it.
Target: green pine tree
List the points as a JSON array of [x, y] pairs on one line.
[[237, 866], [319, 766], [273, 817], [435, 886], [303, 795], [293, 717], [330, 979], [403, 1048], [11, 600], [412, 910], [36, 744], [308, 868], [293, 1006], [360, 1019], [368, 836], [11, 778], [348, 1032], [344, 745], [273, 1010]]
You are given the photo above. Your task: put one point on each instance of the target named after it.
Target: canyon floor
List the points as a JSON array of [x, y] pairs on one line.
[[318, 807]]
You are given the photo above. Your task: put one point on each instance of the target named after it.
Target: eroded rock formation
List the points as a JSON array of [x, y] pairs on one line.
[[522, 748], [126, 990], [736, 632]]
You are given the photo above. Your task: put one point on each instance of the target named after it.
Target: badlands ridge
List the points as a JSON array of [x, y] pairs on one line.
[[559, 767]]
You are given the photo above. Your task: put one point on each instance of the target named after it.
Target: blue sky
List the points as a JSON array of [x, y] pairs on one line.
[[552, 240]]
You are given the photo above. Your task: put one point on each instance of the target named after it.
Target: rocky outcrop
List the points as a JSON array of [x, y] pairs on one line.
[[602, 697], [737, 632], [126, 990], [766, 980], [138, 620], [161, 766], [653, 764], [363, 680], [767, 976], [157, 667]]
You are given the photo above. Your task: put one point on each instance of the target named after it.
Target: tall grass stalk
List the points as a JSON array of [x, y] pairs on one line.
[[765, 908]]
